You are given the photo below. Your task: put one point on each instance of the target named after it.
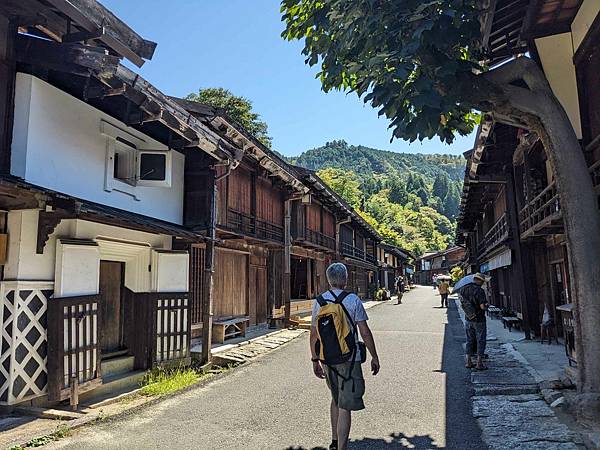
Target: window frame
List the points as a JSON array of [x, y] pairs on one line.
[[138, 147]]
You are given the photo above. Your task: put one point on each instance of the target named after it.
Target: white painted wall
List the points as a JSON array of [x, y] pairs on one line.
[[583, 21], [556, 54], [58, 144], [170, 271], [77, 269], [80, 272]]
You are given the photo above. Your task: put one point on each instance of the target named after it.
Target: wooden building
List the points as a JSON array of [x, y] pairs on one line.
[[393, 263], [94, 287], [511, 220], [438, 263], [252, 193]]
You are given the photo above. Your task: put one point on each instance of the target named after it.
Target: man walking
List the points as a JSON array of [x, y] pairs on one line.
[[444, 290], [474, 304], [345, 381]]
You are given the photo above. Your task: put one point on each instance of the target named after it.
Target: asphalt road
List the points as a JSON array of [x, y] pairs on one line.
[[419, 400]]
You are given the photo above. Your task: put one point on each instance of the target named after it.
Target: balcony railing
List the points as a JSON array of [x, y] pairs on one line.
[[251, 226], [371, 258], [542, 211], [352, 251], [319, 239], [497, 234]]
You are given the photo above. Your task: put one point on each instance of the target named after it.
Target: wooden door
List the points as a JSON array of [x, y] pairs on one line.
[[258, 299], [111, 306], [261, 295], [230, 291]]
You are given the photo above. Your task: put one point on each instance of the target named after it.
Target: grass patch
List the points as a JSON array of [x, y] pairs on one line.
[[62, 431], [162, 381]]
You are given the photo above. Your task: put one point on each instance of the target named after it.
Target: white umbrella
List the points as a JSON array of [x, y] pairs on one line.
[[463, 282]]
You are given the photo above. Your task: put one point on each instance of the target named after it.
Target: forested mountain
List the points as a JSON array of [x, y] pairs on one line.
[[411, 199]]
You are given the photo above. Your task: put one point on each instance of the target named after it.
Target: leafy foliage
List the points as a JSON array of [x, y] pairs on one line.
[[404, 57], [238, 108], [345, 184], [413, 180], [398, 206]]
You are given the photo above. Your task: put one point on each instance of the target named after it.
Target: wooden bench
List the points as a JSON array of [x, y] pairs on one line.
[[509, 321], [229, 327]]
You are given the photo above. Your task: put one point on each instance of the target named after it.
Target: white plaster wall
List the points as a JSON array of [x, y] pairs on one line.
[[57, 144], [23, 262], [583, 21], [556, 54], [170, 272], [77, 270]]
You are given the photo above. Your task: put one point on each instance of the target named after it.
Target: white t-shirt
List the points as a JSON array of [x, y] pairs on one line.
[[353, 305]]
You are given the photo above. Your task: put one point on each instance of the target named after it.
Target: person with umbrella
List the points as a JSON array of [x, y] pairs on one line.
[[444, 289], [474, 303]]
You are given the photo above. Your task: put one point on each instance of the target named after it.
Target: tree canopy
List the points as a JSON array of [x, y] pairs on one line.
[[404, 57], [238, 108]]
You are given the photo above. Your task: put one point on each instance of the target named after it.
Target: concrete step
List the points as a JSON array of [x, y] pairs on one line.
[[117, 366], [112, 387]]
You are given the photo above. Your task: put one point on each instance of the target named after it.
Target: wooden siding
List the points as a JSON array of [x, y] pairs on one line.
[[196, 283], [239, 191], [500, 206], [328, 224], [346, 235], [275, 269], [269, 202], [230, 294], [313, 217]]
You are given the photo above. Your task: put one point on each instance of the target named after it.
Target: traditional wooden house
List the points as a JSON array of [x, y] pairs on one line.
[[94, 284], [326, 229], [253, 194], [436, 263], [393, 264], [511, 219]]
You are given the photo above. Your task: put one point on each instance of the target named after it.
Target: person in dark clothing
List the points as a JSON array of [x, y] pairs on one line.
[[475, 326]]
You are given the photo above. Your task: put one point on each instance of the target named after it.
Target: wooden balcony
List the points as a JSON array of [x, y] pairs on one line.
[[251, 226], [352, 251], [318, 239], [371, 258], [496, 235], [542, 216]]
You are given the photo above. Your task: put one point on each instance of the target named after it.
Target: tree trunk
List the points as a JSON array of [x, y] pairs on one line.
[[581, 217], [538, 108]]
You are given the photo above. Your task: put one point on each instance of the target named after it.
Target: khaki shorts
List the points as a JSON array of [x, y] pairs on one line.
[[347, 394]]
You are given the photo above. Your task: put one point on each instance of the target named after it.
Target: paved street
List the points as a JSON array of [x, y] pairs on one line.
[[421, 398]]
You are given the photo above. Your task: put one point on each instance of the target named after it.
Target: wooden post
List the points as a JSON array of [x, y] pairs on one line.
[[8, 32], [287, 260], [209, 262], [74, 400], [518, 268]]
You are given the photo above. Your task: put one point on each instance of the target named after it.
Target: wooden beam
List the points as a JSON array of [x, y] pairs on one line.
[[8, 32], [91, 16], [77, 59]]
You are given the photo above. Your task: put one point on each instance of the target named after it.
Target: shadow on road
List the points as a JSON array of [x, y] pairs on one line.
[[395, 441]]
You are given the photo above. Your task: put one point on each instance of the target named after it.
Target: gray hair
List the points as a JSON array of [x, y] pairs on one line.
[[337, 275]]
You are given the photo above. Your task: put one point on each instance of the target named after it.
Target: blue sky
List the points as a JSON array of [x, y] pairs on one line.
[[236, 44]]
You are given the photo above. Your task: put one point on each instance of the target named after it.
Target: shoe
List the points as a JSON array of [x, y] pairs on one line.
[[333, 445]]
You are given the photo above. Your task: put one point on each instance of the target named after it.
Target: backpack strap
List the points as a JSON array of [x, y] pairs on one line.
[[321, 301]]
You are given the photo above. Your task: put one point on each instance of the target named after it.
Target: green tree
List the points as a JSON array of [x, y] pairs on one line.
[[419, 63], [440, 186], [236, 107], [345, 184]]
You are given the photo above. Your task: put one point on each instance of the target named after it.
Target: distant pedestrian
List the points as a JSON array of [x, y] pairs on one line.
[[400, 289], [434, 282], [336, 355], [444, 290], [474, 303]]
